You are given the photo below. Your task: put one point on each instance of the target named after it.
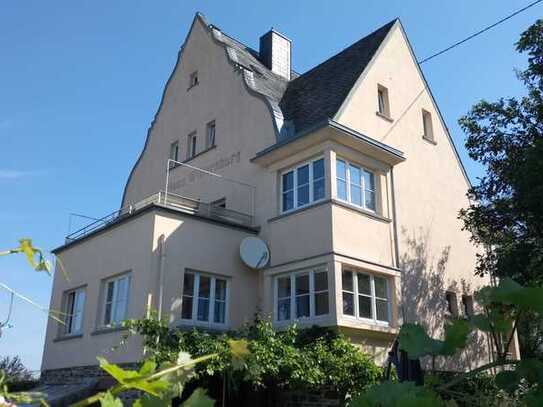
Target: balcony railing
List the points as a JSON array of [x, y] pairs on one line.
[[173, 201]]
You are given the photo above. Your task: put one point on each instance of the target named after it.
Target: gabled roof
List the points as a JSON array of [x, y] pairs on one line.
[[309, 98], [319, 93]]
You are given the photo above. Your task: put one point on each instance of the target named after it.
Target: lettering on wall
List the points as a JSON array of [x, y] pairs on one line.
[[195, 175]]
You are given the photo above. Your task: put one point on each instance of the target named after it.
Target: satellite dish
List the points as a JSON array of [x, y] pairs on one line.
[[254, 252]]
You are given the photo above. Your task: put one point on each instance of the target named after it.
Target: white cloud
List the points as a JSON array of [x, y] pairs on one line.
[[9, 175]]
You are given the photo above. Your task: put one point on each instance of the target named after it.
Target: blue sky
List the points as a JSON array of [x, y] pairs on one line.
[[80, 83]]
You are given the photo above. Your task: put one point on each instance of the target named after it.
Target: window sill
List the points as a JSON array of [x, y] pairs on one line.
[[301, 209], [362, 211], [429, 140], [67, 337], [349, 321], [384, 116], [195, 156], [107, 330]]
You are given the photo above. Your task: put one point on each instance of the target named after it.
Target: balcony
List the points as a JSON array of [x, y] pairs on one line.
[[168, 200]]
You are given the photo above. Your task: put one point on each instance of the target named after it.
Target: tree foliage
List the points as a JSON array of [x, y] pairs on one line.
[[14, 369]]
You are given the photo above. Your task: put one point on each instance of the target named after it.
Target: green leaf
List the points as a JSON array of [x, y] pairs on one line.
[[199, 398], [109, 400], [239, 350], [148, 367], [414, 340], [507, 380], [394, 394], [481, 322], [456, 336], [117, 372], [148, 400]]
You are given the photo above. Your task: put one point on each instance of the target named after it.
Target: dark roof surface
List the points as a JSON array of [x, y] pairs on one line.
[[313, 96], [319, 93]]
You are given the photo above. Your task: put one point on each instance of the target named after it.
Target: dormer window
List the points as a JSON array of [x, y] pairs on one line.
[[193, 81], [427, 126], [383, 104]]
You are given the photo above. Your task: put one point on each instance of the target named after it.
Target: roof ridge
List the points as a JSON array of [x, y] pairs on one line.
[[390, 23]]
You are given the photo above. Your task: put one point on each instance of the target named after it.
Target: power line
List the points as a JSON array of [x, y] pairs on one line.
[[480, 32]]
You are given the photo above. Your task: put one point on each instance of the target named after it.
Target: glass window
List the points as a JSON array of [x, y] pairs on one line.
[[283, 298], [174, 151], [191, 145], [193, 81], [467, 304], [205, 298], [452, 303], [383, 101], [427, 125], [73, 309], [318, 179], [116, 300], [371, 293], [355, 185], [306, 294], [210, 140], [303, 185]]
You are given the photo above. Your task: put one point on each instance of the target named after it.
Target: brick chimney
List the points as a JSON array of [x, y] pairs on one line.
[[275, 52]]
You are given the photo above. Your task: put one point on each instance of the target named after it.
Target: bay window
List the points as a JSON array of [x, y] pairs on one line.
[[301, 295], [355, 185], [303, 185], [366, 297], [205, 299]]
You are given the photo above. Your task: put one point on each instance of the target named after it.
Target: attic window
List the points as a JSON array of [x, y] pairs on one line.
[[427, 125], [383, 104], [452, 303], [193, 80]]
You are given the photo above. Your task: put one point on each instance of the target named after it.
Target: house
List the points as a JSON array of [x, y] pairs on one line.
[[347, 172]]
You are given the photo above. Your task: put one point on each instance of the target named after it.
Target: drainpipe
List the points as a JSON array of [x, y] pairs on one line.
[[162, 258]]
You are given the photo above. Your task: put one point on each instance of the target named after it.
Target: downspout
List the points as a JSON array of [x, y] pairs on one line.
[[162, 258]]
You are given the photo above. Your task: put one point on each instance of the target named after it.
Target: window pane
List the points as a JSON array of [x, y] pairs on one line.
[[382, 310], [341, 189], [302, 284], [303, 195], [205, 283], [288, 181], [288, 200], [188, 284], [303, 175], [369, 181], [321, 303], [110, 287], [203, 309], [219, 312], [369, 200], [356, 195], [341, 169], [220, 289], [348, 303], [107, 314], [355, 175], [364, 306], [302, 306], [347, 280], [318, 189], [283, 309], [318, 169], [364, 284], [321, 281], [283, 287], [380, 287], [186, 309]]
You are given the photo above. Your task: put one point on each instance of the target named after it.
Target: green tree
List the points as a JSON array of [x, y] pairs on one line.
[[506, 213]]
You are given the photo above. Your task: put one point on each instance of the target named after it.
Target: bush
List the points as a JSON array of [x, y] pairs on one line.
[[310, 359]]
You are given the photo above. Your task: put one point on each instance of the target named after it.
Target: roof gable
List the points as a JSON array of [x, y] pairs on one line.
[[319, 93]]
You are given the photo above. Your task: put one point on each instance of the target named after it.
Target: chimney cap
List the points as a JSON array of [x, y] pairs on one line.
[[274, 31]]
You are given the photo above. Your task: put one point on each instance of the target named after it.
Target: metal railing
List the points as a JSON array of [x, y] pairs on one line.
[[170, 200]]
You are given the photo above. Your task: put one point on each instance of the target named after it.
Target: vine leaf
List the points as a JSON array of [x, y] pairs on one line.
[[393, 394], [239, 350], [199, 399], [109, 400]]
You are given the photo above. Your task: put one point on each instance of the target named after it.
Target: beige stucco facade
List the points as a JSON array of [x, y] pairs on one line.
[[412, 239]]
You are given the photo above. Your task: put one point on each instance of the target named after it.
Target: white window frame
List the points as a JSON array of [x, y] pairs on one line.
[[210, 323], [383, 96], [71, 315], [427, 126], [373, 320], [192, 145], [114, 301], [348, 164], [210, 141], [311, 181], [312, 306]]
